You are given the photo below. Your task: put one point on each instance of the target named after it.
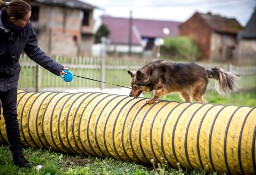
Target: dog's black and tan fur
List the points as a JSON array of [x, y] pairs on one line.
[[189, 79]]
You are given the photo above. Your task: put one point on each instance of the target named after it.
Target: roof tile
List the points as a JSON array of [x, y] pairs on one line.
[[119, 29], [222, 24]]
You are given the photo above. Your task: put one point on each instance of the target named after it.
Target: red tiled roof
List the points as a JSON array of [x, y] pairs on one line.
[[222, 24], [142, 28]]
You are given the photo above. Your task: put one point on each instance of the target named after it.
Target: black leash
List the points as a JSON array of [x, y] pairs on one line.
[[101, 81]]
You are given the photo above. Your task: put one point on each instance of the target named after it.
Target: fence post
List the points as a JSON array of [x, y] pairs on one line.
[[38, 78], [103, 55], [102, 72]]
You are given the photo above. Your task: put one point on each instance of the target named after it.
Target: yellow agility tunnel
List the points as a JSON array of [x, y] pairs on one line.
[[195, 136]]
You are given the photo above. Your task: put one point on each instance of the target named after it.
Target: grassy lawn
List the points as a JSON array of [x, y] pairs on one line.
[[236, 99], [58, 163]]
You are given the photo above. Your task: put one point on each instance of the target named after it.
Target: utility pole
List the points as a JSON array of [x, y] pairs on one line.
[[130, 34]]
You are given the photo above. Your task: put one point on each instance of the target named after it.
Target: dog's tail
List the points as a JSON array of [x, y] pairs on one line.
[[227, 81]]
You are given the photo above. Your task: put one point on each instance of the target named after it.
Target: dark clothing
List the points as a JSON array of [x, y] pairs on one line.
[[9, 104], [12, 44], [13, 41]]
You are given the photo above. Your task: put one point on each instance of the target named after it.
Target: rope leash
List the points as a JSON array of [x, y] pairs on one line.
[[68, 77], [101, 81]]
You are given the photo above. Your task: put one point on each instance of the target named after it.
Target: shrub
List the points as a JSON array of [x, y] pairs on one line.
[[180, 48], [101, 32]]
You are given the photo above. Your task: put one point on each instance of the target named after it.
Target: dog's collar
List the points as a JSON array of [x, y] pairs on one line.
[[144, 84]]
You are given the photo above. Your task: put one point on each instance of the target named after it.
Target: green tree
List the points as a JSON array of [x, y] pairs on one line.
[[101, 32], [180, 48]]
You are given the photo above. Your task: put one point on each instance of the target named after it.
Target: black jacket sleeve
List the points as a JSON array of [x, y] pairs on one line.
[[37, 55]]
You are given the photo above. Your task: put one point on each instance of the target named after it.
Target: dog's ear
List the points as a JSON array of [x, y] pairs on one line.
[[139, 75], [131, 73]]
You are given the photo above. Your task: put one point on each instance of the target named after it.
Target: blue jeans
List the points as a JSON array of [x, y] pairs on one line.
[[9, 105]]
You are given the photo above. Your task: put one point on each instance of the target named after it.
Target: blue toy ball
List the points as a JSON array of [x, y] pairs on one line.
[[68, 77]]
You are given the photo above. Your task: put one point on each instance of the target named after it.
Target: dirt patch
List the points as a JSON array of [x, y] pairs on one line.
[[74, 161]]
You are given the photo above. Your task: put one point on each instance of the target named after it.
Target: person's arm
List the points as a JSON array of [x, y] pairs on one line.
[[37, 55]]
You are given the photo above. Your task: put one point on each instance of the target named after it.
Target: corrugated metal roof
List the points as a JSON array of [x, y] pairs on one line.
[[119, 29], [76, 4], [222, 24]]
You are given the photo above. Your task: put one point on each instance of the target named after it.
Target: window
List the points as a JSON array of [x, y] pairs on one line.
[[86, 18], [34, 13]]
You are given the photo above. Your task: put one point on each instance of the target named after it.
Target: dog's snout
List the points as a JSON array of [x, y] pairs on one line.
[[132, 94]]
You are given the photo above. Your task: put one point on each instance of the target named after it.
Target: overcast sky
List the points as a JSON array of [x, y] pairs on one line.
[[174, 10]]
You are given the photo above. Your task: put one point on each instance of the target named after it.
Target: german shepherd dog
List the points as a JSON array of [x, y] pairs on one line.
[[189, 79]]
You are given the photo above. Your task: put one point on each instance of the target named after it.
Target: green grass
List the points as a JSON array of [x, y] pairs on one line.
[[63, 164], [236, 99]]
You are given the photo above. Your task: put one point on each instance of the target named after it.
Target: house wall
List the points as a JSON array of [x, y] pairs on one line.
[[196, 29], [124, 49], [87, 38], [247, 51], [62, 30], [87, 42], [223, 47]]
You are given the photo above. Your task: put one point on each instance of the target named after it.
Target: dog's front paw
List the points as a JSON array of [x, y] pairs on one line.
[[150, 101]]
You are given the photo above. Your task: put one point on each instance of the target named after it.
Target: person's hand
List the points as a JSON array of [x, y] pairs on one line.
[[62, 72]]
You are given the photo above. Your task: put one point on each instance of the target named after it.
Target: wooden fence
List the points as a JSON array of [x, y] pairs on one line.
[[110, 70]]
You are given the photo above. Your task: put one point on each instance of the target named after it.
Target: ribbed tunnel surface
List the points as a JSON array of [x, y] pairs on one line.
[[198, 136]]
